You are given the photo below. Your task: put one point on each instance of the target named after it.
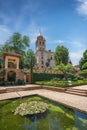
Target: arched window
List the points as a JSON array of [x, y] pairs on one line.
[[40, 43]]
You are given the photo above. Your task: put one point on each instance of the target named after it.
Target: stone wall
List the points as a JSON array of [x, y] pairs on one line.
[[19, 73]]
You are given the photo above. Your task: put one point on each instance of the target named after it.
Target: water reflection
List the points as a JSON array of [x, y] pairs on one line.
[[80, 120], [32, 126], [54, 124]]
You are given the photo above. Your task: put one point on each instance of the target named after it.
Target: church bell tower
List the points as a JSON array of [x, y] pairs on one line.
[[40, 43]]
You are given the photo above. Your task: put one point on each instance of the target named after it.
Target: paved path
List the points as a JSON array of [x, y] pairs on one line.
[[75, 101]]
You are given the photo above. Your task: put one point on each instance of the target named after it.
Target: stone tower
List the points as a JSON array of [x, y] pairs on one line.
[[44, 58], [40, 43]]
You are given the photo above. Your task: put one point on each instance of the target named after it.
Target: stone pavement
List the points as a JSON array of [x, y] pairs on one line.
[[74, 101]]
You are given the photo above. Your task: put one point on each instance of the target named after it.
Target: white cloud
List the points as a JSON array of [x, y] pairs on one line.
[[4, 33], [78, 44], [82, 7], [28, 10], [76, 56], [33, 31], [59, 41]]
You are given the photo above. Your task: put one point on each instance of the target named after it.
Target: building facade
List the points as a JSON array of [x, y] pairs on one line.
[[44, 58], [12, 70]]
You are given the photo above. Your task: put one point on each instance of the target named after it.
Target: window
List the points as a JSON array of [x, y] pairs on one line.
[[42, 62], [39, 43]]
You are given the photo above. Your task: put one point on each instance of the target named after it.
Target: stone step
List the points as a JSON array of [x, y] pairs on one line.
[[80, 90], [72, 90], [80, 94], [77, 92]]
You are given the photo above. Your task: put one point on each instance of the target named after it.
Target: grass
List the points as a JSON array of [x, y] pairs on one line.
[[65, 118]]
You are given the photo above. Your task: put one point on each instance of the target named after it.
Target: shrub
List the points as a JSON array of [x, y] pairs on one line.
[[55, 79], [20, 82], [4, 83], [70, 76], [46, 76], [83, 73]]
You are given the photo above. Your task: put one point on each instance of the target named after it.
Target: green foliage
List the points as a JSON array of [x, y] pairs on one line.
[[53, 83], [64, 115], [64, 68], [83, 73], [61, 55], [20, 82], [84, 66], [62, 83], [31, 108], [83, 61], [29, 59], [16, 43], [46, 76], [2, 72], [4, 83], [70, 76]]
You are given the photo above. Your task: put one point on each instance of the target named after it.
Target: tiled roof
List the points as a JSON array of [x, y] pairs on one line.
[[11, 54]]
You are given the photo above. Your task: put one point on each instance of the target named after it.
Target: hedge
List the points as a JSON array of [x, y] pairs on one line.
[[46, 76]]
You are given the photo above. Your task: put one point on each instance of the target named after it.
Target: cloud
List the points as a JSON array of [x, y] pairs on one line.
[[59, 41], [82, 7], [28, 11], [4, 33], [76, 56], [78, 44], [75, 47], [33, 31]]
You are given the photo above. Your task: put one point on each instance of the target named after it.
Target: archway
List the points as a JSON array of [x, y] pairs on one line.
[[11, 76]]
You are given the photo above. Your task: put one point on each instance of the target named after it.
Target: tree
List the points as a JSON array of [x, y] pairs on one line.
[[16, 43], [28, 61], [64, 68], [61, 55], [83, 61], [83, 65]]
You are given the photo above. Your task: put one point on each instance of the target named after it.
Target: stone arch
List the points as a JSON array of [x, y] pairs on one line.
[[11, 76]]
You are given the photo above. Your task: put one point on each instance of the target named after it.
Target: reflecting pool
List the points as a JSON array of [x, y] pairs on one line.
[[57, 117]]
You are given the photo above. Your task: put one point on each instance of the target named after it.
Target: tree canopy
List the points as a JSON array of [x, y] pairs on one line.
[[61, 55], [64, 68], [16, 43], [83, 61], [28, 59]]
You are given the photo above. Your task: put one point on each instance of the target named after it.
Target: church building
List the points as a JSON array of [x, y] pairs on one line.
[[44, 58]]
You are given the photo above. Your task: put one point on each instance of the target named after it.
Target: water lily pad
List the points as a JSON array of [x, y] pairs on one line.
[[31, 108]]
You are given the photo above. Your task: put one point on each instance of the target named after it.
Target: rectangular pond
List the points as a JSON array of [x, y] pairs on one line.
[[57, 116]]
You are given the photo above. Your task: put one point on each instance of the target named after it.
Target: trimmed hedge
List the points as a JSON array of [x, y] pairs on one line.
[[46, 76], [50, 76]]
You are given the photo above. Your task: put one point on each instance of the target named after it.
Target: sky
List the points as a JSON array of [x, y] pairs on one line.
[[61, 22]]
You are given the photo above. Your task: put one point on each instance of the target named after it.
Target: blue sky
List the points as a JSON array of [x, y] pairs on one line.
[[62, 22]]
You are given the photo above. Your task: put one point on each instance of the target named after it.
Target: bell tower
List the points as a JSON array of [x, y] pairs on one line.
[[40, 43]]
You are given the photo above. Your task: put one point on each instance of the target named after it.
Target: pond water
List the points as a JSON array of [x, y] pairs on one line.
[[58, 117]]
